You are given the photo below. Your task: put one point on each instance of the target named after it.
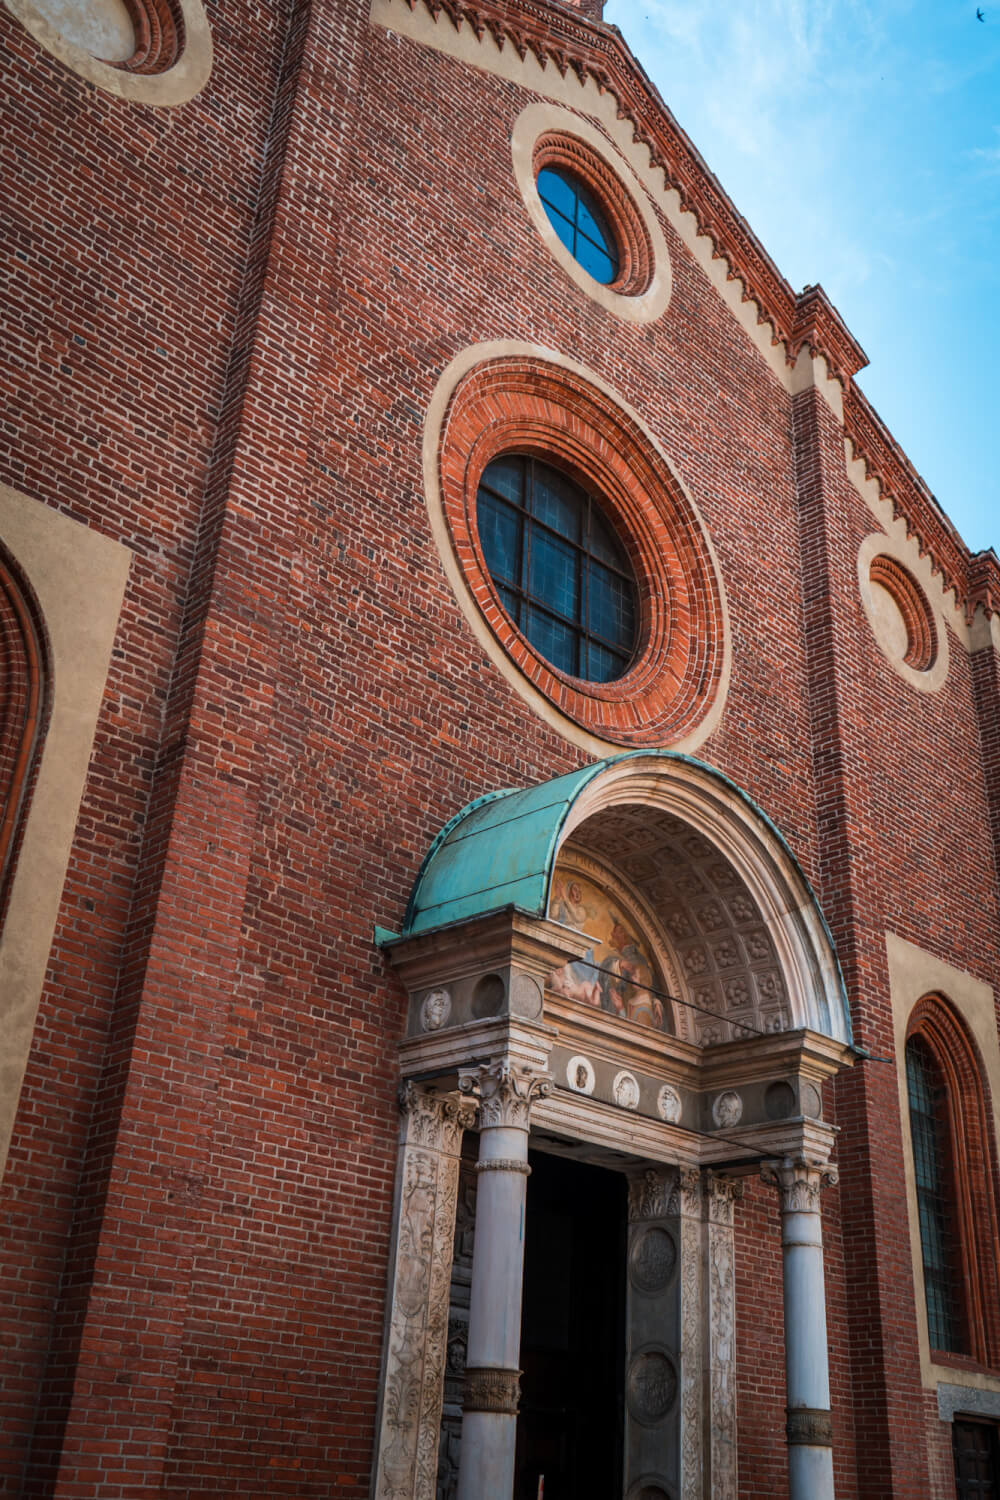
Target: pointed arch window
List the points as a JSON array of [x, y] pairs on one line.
[[955, 1176]]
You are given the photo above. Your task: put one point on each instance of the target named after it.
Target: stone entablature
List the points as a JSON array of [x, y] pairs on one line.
[[763, 1093]]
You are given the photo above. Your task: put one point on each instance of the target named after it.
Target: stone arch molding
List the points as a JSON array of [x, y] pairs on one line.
[[518, 834]]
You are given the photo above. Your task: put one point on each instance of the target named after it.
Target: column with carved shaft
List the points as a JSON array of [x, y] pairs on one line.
[[489, 1407], [807, 1367]]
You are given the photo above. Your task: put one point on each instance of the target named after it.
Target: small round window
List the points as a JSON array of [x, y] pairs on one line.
[[560, 572], [577, 219]]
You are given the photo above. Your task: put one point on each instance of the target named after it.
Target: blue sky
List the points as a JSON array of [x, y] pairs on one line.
[[862, 143]]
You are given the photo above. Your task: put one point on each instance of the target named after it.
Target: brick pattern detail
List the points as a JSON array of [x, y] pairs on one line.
[[23, 709], [518, 405], [635, 253], [974, 1173], [910, 600]]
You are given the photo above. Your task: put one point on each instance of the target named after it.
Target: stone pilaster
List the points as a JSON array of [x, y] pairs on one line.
[[720, 1197], [427, 1178]]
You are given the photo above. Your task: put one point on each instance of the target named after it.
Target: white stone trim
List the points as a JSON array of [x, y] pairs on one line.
[[879, 544], [538, 119], [437, 410], [176, 85], [78, 577]]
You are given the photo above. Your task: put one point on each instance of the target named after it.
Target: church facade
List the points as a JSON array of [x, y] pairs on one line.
[[501, 797]]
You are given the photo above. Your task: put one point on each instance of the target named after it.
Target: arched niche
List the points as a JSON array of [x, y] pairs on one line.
[[742, 932]]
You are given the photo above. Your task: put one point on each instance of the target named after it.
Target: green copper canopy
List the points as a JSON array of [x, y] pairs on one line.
[[500, 852]]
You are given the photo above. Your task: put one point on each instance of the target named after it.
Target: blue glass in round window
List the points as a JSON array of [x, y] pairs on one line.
[[561, 572], [579, 223]]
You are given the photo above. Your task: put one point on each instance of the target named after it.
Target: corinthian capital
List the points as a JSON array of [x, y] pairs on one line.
[[799, 1182], [506, 1092], [435, 1121]]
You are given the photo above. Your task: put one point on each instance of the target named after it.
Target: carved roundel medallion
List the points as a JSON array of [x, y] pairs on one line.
[[652, 1259], [727, 1109], [625, 1090], [580, 1075], [668, 1103], [651, 1386], [435, 1010]]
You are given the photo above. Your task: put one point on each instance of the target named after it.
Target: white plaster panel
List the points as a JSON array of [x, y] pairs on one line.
[[889, 631], [78, 577], [75, 32]]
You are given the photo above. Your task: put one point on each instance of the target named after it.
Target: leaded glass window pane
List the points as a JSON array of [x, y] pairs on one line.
[[932, 1169], [560, 571], [576, 218]]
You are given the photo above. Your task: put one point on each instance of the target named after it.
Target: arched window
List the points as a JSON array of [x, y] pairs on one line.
[[22, 710], [955, 1173]]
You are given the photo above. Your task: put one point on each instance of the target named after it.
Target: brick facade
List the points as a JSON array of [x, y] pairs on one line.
[[227, 322]]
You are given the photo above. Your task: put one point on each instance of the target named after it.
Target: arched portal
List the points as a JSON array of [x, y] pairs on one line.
[[622, 971], [712, 872]]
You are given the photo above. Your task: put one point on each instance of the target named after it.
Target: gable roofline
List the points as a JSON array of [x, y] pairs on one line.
[[561, 36]]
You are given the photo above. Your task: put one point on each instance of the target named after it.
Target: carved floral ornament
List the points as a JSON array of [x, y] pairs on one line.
[[800, 1182], [506, 1093]]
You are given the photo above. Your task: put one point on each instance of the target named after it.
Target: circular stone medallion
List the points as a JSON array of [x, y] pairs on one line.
[[651, 1386], [668, 1102], [652, 1259], [435, 1010], [626, 1090], [580, 1075], [727, 1109]]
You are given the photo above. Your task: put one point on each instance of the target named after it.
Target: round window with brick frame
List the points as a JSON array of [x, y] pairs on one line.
[[582, 553], [150, 51]]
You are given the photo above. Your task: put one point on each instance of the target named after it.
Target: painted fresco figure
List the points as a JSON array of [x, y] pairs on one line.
[[627, 981]]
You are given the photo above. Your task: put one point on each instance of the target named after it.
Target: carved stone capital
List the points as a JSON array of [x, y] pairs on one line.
[[664, 1192], [435, 1121], [506, 1093], [722, 1194], [808, 1427], [799, 1182], [492, 1389]]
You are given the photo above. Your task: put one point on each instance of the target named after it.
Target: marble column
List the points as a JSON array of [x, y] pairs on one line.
[[492, 1378], [809, 1428], [413, 1391]]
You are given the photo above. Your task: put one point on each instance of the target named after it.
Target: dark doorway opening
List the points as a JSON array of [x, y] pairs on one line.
[[977, 1476], [570, 1428]]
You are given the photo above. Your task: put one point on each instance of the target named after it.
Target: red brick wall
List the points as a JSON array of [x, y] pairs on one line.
[[268, 283]]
